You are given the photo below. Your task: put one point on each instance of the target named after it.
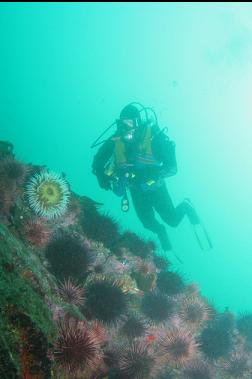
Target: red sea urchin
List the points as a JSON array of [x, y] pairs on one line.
[[7, 199], [198, 369], [76, 348], [71, 292], [99, 331], [12, 176], [13, 171], [177, 347], [36, 232], [145, 267], [136, 361], [237, 366], [193, 311]]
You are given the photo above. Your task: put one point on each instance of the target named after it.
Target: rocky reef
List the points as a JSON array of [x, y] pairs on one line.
[[82, 299]]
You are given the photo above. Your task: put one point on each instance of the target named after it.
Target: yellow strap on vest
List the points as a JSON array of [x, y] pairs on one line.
[[119, 152], [145, 146]]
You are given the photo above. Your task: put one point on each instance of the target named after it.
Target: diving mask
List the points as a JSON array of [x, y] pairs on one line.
[[127, 129]]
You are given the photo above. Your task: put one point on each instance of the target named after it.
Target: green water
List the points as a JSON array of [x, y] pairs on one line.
[[66, 70]]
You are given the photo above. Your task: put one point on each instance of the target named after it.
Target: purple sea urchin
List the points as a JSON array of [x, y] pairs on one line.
[[135, 244], [215, 342], [105, 301], [161, 262], [100, 227], [170, 283], [134, 327], [157, 307], [48, 194], [68, 256]]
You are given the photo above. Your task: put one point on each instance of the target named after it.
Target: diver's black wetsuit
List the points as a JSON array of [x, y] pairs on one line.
[[146, 202]]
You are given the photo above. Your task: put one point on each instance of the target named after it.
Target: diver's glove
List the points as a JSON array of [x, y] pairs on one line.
[[104, 181]]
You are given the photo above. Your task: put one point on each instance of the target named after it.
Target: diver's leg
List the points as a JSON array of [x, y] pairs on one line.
[[144, 210], [170, 214], [191, 212]]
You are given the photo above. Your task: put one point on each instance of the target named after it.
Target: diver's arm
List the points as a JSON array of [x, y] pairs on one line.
[[164, 151], [102, 156], [100, 159]]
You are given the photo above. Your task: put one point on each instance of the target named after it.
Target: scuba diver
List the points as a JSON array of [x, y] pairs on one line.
[[138, 157]]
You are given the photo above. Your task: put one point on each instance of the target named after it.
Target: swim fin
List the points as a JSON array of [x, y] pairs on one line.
[[199, 229], [166, 244], [202, 237]]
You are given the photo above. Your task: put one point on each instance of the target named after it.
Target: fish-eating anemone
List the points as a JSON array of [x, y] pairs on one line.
[[48, 194]]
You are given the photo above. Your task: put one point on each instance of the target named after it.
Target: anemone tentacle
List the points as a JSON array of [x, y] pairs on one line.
[[48, 194]]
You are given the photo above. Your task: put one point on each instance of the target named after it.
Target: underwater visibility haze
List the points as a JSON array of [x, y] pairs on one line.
[[66, 72]]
